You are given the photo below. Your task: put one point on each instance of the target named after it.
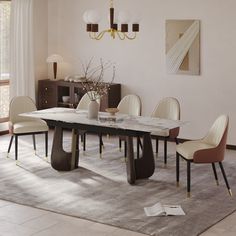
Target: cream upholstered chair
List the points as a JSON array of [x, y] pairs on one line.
[[167, 108], [85, 100], [19, 125], [83, 105], [210, 149], [131, 105]]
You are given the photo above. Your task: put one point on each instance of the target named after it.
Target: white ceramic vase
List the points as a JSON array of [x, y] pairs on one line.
[[93, 109]]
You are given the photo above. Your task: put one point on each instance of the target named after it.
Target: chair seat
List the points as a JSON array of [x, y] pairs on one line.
[[188, 148], [30, 127], [162, 133]]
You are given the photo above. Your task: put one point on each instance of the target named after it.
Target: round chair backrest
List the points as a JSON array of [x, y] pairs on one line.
[[217, 130], [131, 105], [85, 100], [167, 108], [20, 104]]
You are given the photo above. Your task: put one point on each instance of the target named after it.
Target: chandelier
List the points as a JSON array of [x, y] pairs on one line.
[[92, 18]]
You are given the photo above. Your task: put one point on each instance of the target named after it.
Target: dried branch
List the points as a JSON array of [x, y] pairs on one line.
[[94, 85]]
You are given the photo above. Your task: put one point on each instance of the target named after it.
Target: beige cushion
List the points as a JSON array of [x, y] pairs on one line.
[[162, 133], [167, 108], [188, 148], [131, 105], [217, 130], [18, 105], [85, 100], [30, 127]]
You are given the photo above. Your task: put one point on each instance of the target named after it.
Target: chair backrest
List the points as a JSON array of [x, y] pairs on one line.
[[85, 100], [167, 108], [130, 104], [217, 136], [20, 104], [217, 131]]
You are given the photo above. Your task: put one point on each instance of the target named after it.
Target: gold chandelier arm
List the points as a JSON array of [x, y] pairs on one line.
[[120, 35], [97, 37], [131, 38]]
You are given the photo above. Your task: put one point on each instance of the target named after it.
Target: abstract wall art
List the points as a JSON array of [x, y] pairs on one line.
[[183, 47]]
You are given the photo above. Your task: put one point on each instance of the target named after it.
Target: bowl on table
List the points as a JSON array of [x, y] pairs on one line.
[[112, 110], [65, 99]]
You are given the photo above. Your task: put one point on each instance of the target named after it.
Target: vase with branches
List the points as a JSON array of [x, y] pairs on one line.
[[94, 85]]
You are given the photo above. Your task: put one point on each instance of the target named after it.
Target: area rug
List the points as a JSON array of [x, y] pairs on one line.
[[99, 191]]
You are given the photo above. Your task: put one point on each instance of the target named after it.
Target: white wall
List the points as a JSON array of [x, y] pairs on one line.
[[141, 63]]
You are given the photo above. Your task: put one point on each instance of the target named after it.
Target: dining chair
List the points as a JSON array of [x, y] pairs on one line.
[[208, 150], [167, 108], [83, 105], [19, 125], [131, 105]]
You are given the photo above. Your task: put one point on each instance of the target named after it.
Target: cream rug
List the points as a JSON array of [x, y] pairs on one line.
[[99, 191]]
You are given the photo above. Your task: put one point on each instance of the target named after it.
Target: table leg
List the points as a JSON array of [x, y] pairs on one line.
[[60, 159], [143, 167]]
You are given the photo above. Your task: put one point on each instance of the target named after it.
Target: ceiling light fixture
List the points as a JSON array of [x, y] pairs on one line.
[[92, 18]]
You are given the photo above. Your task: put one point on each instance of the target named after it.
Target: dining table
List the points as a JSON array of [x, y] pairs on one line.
[[118, 124]]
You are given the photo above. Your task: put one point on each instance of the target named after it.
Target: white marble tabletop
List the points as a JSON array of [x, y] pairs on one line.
[[119, 121]]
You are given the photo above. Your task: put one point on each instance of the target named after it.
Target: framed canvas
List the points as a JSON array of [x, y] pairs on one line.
[[183, 47]]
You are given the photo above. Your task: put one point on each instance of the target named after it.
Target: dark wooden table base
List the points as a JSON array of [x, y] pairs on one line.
[[140, 168], [60, 159]]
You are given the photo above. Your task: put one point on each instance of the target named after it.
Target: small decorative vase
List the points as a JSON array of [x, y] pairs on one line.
[[93, 109]]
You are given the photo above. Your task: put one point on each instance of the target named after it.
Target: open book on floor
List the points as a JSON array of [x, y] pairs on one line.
[[164, 210]]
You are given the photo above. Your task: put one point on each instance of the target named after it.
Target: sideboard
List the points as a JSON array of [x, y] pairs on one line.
[[50, 93]]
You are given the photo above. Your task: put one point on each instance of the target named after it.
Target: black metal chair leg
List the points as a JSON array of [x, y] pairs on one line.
[[120, 143], [46, 144], [137, 147], [188, 179], [34, 143], [177, 169], [16, 147], [157, 145], [9, 147], [225, 178], [125, 149], [100, 144], [176, 141], [165, 151], [215, 173], [84, 141]]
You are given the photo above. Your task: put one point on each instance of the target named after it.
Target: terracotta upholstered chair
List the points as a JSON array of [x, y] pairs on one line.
[[210, 149], [19, 125], [131, 105], [167, 108], [83, 105]]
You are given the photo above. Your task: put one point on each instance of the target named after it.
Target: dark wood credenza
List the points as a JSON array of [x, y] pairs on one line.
[[50, 94]]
